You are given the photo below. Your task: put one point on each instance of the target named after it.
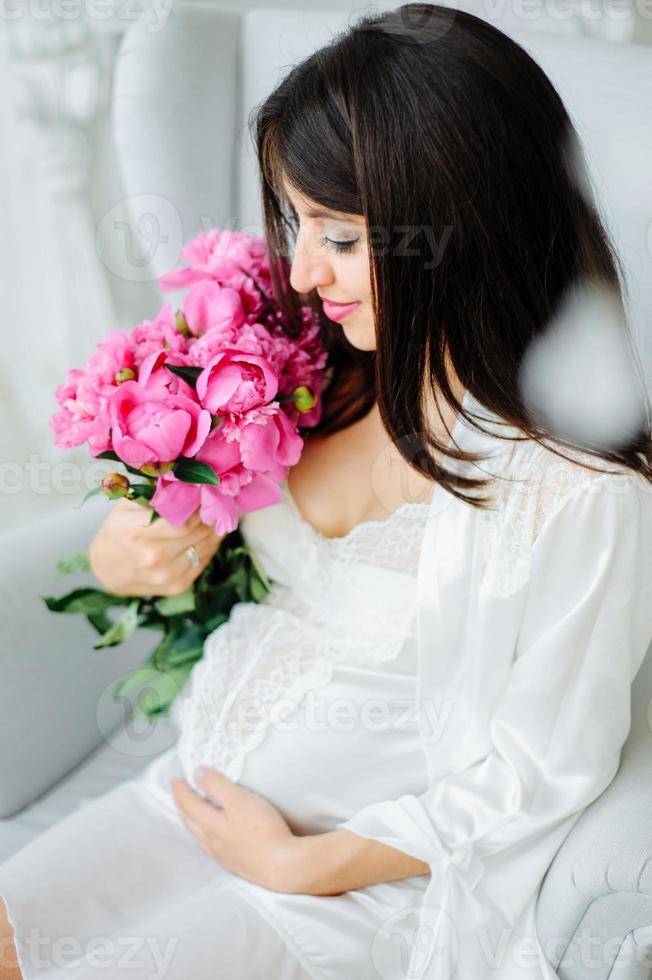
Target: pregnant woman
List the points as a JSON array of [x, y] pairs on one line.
[[398, 738]]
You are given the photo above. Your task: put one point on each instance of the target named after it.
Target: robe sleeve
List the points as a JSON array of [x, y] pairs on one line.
[[489, 831]]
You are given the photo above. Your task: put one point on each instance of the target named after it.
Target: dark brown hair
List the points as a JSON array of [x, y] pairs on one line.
[[431, 119]]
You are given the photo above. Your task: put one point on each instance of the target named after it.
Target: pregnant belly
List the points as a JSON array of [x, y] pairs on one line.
[[350, 743], [330, 740]]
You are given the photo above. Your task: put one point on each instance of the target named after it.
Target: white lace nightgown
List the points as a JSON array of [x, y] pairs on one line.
[[308, 698]]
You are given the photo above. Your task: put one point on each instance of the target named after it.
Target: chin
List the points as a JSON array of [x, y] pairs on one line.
[[359, 338]]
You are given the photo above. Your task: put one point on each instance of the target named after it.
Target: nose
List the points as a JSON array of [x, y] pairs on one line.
[[309, 270]]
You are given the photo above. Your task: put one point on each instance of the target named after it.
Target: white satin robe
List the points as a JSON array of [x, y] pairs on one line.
[[528, 652]]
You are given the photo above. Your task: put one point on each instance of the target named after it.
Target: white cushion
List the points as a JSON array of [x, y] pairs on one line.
[[119, 758]]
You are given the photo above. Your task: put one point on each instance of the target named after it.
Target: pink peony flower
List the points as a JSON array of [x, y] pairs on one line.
[[155, 335], [207, 305], [114, 354], [218, 254], [155, 376], [222, 510], [127, 400], [268, 441], [240, 490], [149, 430], [235, 381], [85, 395], [73, 425], [250, 337], [250, 295]]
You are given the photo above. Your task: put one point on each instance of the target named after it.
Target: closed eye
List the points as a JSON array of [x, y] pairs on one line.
[[340, 247]]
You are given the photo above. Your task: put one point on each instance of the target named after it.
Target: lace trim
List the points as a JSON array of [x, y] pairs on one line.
[[256, 668], [393, 542], [539, 483], [407, 510]]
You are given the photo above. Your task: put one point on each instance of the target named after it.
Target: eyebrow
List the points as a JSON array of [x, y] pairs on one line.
[[319, 213], [316, 213]]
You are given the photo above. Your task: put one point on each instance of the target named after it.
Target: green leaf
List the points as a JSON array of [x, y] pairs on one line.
[[259, 572], [162, 651], [185, 371], [91, 493], [122, 629], [160, 625], [154, 517], [144, 490], [85, 600], [186, 655], [109, 454], [240, 580], [157, 689], [180, 645], [172, 605], [215, 621], [73, 561], [143, 502], [258, 590], [99, 621], [194, 471], [135, 680], [132, 469]]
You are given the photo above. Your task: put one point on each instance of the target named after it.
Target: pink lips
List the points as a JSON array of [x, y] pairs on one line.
[[337, 311]]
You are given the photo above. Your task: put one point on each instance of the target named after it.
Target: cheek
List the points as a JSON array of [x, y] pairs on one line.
[[357, 278]]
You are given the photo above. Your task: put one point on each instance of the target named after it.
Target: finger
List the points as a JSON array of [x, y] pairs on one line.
[[196, 831], [139, 514], [164, 529], [133, 511], [218, 786], [181, 567], [180, 572], [193, 807], [199, 539]]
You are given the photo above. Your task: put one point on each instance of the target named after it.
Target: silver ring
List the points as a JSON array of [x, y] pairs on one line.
[[192, 554]]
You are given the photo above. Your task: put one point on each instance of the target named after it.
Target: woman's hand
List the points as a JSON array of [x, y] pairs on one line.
[[129, 556], [242, 830]]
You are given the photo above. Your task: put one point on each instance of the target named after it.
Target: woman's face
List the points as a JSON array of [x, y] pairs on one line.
[[331, 256]]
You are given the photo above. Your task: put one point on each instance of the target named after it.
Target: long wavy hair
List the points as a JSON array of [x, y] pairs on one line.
[[430, 119]]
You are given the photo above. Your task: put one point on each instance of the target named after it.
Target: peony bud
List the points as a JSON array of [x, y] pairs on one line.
[[115, 485], [124, 374], [304, 399], [155, 469]]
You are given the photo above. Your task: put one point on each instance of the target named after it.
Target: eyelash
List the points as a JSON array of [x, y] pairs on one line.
[[342, 248]]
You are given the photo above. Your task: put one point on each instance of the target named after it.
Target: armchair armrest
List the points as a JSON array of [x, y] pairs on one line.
[[56, 702], [599, 886]]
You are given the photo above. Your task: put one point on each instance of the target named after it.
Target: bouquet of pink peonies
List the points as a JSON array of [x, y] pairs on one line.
[[202, 406]]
